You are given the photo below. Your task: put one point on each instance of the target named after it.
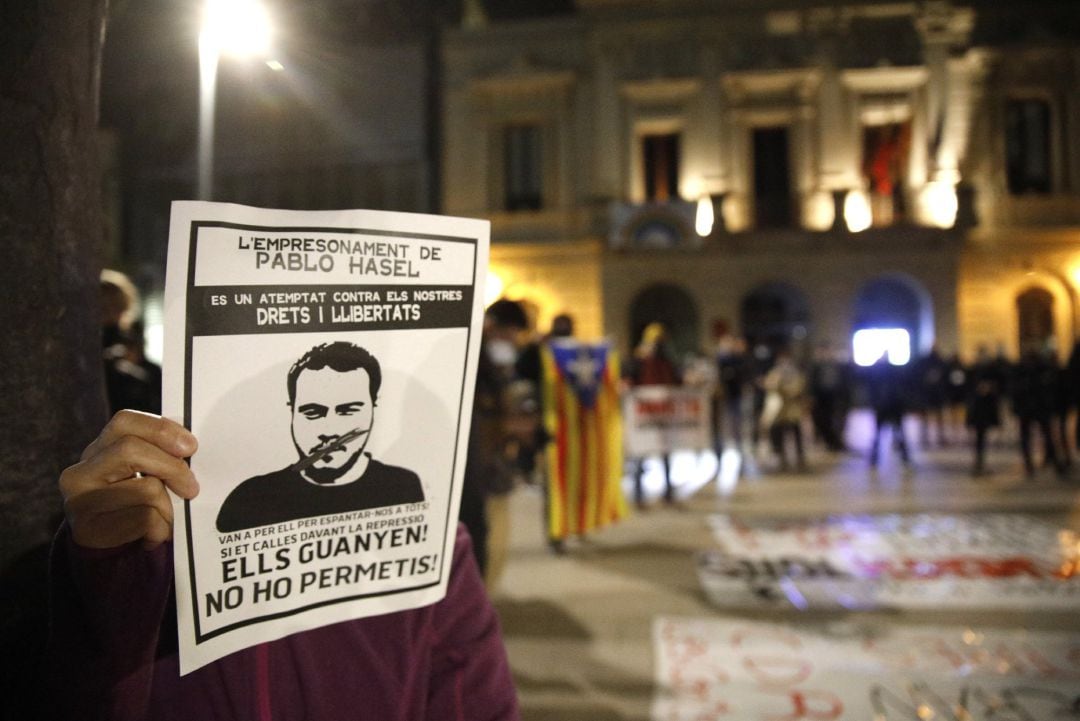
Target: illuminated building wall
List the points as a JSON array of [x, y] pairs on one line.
[[867, 165]]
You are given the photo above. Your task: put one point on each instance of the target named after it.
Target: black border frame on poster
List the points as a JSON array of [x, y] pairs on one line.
[[193, 243]]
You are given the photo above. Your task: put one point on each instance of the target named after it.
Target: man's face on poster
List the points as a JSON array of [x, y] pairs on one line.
[[327, 405]]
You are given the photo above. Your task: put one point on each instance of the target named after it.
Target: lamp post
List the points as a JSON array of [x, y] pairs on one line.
[[236, 27]]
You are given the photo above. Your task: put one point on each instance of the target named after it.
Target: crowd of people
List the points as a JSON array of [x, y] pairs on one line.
[[762, 391]]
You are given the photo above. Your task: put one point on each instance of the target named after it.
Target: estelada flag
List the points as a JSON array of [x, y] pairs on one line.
[[582, 416]]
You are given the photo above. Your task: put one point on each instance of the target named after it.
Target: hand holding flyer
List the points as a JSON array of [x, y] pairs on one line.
[[325, 362]]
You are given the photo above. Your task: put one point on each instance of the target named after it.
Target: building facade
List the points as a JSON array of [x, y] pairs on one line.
[[792, 171]]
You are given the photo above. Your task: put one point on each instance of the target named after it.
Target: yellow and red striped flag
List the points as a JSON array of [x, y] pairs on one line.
[[582, 417]]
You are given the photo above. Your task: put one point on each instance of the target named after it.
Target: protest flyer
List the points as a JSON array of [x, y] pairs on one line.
[[325, 361]]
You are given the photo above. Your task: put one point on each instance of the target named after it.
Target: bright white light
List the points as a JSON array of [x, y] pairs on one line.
[[690, 471], [237, 27], [153, 327], [728, 477], [857, 213], [493, 288], [869, 344], [940, 203], [703, 223], [275, 65]]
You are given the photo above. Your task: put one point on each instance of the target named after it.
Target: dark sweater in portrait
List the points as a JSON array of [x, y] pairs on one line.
[[286, 495]]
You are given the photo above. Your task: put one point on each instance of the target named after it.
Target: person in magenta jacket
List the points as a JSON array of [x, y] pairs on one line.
[[113, 648]]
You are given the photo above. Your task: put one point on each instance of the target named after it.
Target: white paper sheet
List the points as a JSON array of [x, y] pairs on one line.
[[364, 528]]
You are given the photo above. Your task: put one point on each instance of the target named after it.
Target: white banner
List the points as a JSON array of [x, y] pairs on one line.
[[664, 419], [326, 363], [909, 561], [710, 670]]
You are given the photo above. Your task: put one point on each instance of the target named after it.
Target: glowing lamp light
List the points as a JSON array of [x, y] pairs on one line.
[[820, 211], [237, 27], [941, 204], [857, 213], [703, 221], [735, 212], [869, 344], [493, 288]]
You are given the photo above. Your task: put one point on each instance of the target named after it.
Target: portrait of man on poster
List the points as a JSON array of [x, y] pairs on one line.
[[333, 394]]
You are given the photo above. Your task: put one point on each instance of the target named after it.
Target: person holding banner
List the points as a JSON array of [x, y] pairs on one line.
[[113, 652], [531, 368], [582, 418], [651, 365]]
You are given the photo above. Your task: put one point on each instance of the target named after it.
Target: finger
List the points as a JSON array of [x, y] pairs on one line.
[[166, 434], [158, 532], [134, 492], [123, 459]]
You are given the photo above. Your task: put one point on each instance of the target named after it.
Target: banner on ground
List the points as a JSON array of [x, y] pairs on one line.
[[326, 363], [585, 456], [907, 561], [664, 419], [751, 671]]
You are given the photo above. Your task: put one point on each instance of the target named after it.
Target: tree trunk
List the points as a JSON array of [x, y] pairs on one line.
[[50, 239], [51, 382]]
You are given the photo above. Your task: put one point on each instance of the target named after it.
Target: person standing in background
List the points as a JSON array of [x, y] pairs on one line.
[[984, 400], [785, 388], [830, 397], [1033, 393], [131, 381], [651, 365], [956, 393], [1071, 374], [733, 372], [529, 368], [887, 391], [488, 473], [930, 380]]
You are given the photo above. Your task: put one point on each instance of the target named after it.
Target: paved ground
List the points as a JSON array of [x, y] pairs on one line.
[[578, 626]]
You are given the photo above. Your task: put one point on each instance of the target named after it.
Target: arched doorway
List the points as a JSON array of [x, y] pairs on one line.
[[674, 307], [776, 315], [1035, 315], [897, 302]]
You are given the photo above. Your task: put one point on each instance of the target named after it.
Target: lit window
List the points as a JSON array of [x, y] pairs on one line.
[[661, 156], [885, 161], [869, 344]]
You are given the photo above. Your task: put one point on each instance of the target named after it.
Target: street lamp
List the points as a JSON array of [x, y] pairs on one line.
[[235, 27]]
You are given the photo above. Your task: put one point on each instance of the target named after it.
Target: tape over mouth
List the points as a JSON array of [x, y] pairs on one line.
[[325, 449]]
